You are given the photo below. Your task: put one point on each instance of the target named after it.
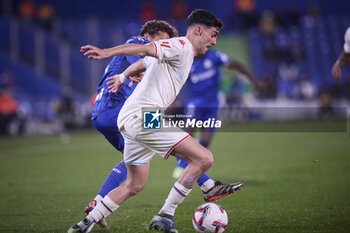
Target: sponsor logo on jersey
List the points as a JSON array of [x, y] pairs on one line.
[[182, 42]]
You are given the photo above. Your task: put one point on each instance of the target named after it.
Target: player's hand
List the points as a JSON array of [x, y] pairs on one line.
[[113, 83], [137, 78], [336, 70], [94, 53]]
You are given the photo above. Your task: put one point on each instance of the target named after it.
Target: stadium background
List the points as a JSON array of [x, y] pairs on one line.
[[295, 165]]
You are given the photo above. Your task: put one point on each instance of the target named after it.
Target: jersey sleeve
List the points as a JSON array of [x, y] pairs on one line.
[[133, 59], [147, 61], [168, 50], [222, 58], [347, 41]]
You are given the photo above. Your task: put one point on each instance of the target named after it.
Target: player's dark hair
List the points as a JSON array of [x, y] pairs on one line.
[[153, 26], [202, 16]]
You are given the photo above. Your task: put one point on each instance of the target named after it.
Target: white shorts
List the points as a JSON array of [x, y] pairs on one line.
[[141, 145]]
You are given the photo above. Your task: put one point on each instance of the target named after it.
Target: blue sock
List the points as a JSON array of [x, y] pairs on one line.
[[183, 164], [115, 178]]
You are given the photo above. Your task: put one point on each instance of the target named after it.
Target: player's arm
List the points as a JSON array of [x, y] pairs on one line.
[[344, 57], [236, 65], [114, 82], [343, 60], [125, 50]]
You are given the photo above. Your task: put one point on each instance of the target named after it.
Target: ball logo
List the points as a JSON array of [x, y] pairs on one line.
[[152, 119]]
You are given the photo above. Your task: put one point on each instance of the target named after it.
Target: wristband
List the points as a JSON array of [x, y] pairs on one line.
[[122, 78]]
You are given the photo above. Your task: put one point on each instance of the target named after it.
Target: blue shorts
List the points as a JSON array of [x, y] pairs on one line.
[[106, 123]]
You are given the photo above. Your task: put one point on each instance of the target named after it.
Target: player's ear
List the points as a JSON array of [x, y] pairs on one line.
[[198, 30], [146, 35]]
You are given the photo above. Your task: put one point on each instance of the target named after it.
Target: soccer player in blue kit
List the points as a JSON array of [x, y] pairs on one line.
[[202, 101], [106, 109]]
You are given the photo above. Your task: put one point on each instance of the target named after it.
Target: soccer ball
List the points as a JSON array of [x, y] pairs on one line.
[[209, 218]]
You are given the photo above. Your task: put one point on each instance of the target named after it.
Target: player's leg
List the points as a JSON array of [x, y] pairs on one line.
[[105, 123], [137, 158], [206, 137], [135, 182], [116, 177], [204, 181], [137, 177], [200, 159], [211, 189]]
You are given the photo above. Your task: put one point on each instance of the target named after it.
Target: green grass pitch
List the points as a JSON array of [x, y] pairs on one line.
[[294, 182]]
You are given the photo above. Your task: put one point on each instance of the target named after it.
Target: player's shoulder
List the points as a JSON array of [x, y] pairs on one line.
[[177, 42], [137, 40]]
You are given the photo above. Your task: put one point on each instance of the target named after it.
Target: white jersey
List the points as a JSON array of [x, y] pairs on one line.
[[347, 41], [164, 77]]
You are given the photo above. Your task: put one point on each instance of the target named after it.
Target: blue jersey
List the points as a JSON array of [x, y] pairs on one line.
[[105, 100], [204, 79]]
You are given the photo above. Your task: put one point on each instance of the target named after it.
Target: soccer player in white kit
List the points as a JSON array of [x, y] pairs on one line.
[[167, 67], [344, 57]]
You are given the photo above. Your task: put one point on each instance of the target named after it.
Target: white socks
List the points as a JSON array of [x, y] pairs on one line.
[[103, 209], [207, 185], [98, 198], [176, 196]]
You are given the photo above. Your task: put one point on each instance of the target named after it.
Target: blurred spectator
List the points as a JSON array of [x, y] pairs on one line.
[[307, 89], [45, 16], [288, 81], [8, 111], [294, 17], [179, 10], [325, 104], [147, 11], [313, 10], [283, 54], [313, 14], [26, 10], [268, 30], [66, 111], [244, 14], [6, 80], [8, 105], [270, 90], [287, 17]]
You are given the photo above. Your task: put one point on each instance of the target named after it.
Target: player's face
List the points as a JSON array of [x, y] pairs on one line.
[[158, 36], [208, 38]]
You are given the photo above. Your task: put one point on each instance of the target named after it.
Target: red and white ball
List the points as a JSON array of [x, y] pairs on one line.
[[210, 218]]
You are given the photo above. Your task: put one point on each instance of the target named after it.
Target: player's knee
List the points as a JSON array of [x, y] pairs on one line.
[[135, 188], [207, 160]]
